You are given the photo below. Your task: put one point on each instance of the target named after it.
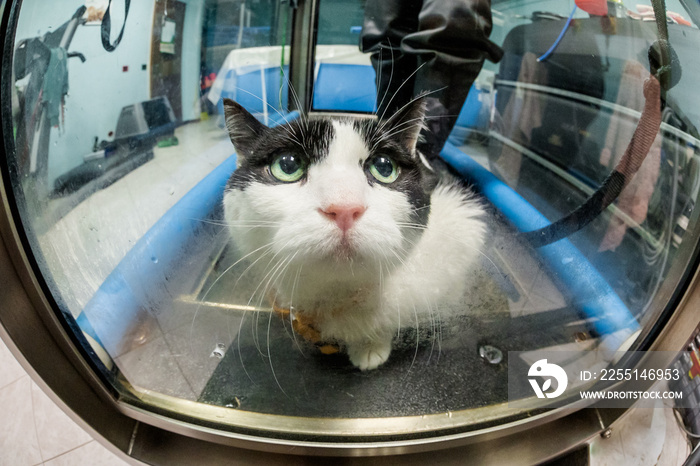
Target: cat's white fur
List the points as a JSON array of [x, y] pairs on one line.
[[395, 277]]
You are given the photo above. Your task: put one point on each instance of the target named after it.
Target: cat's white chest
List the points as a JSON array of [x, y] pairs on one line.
[[343, 312]]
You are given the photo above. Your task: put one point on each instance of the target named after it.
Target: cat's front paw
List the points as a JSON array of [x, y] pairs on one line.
[[368, 356]]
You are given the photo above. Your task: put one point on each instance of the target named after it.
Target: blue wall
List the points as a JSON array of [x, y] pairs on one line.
[[98, 88]]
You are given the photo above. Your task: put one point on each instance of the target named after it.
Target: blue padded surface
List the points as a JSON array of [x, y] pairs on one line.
[[591, 291], [345, 88]]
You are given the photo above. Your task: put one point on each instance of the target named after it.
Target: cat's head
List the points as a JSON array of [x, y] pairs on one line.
[[335, 191]]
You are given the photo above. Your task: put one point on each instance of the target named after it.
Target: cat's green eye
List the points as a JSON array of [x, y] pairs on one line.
[[288, 168], [384, 169]]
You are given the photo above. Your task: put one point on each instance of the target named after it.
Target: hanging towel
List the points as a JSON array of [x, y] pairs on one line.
[[634, 199], [55, 84]]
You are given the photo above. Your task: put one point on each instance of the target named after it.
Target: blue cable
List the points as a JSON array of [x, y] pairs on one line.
[[561, 35]]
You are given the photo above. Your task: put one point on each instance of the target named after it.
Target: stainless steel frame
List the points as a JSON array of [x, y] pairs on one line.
[[161, 430], [302, 53]]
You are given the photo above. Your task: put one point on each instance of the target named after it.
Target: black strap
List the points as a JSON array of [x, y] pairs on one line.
[[582, 216], [107, 27]]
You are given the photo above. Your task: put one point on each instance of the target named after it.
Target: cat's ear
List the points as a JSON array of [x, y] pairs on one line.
[[405, 125], [243, 128]]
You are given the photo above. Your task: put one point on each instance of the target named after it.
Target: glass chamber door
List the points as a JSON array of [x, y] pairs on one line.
[[122, 271]]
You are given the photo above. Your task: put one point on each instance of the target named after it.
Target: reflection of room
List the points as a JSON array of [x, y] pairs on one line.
[[120, 197], [144, 104], [123, 115], [157, 98], [137, 72], [578, 126]]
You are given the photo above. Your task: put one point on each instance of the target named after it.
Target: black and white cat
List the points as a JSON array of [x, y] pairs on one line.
[[349, 227]]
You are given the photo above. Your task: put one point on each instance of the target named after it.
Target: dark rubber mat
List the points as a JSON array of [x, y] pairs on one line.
[[267, 370]]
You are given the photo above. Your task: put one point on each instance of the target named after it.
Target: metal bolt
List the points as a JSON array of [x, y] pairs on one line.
[[490, 354], [606, 434], [219, 351], [580, 336]]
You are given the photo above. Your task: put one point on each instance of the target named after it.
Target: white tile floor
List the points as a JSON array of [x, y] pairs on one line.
[[34, 431]]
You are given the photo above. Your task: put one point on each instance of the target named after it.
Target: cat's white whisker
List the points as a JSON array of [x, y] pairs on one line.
[[462, 240], [404, 126], [270, 106], [266, 249], [281, 115], [288, 261], [208, 222], [269, 357], [303, 117], [398, 129], [407, 80], [410, 102], [271, 274], [235, 285], [391, 74], [206, 293], [254, 222], [415, 353], [280, 268], [291, 307], [252, 264], [432, 315], [240, 352]]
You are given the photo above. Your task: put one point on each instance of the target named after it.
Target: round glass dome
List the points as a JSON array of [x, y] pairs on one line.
[[183, 179]]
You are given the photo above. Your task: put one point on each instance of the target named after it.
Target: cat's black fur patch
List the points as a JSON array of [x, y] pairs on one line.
[[308, 140], [410, 180]]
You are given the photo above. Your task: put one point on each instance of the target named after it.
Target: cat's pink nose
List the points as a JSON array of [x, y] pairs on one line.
[[344, 216]]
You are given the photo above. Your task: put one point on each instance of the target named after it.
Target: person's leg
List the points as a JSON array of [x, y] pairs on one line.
[[450, 45], [386, 23]]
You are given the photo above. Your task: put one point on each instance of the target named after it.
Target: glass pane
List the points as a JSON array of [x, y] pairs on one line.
[[150, 229], [578, 127], [114, 149]]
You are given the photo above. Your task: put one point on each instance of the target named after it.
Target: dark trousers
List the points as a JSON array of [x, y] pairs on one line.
[[428, 46]]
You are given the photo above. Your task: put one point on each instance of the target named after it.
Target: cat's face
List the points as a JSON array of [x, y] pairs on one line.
[[327, 191]]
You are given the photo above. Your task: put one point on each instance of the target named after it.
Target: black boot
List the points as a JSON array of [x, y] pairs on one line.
[[386, 24], [438, 48]]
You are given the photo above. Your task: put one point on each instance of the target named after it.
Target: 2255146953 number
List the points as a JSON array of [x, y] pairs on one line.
[[637, 374]]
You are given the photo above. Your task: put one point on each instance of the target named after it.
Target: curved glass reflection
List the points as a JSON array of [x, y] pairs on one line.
[[121, 159]]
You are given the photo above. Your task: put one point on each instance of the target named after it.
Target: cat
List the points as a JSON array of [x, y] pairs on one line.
[[350, 226]]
